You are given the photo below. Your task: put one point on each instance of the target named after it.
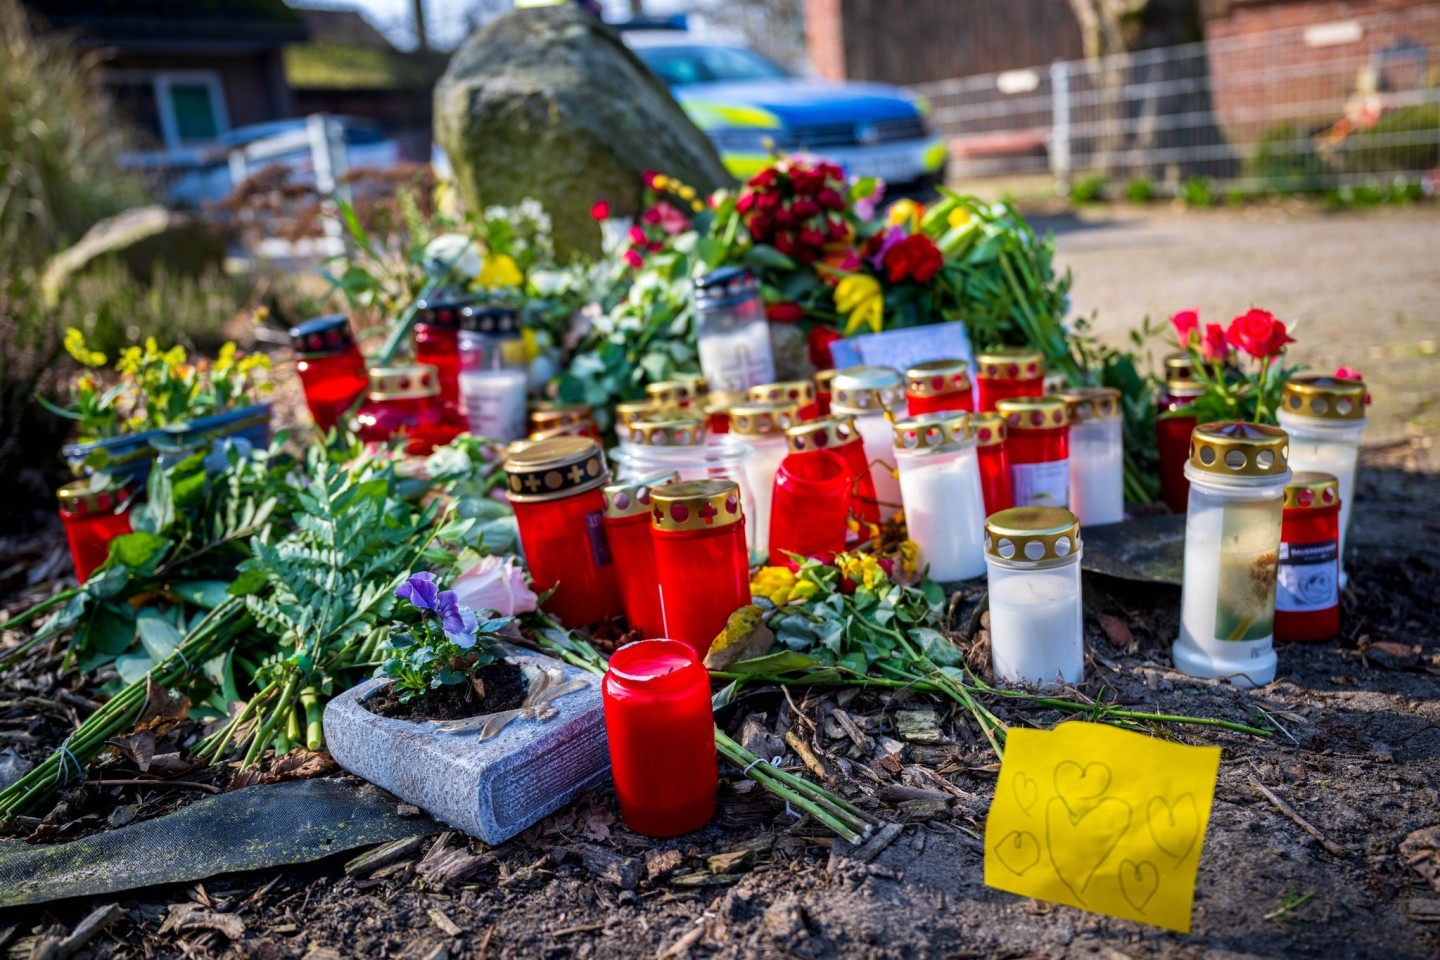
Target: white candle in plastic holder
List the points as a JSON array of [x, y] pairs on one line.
[[940, 484], [1036, 621], [1237, 474], [762, 425], [871, 395], [493, 378], [1097, 455], [731, 333], [1325, 417]]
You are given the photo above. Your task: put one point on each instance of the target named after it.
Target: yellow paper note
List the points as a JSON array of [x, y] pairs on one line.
[[1102, 819]]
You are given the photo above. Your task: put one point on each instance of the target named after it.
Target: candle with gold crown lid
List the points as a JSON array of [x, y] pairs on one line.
[[701, 560], [1038, 446], [1008, 372], [1238, 474], [824, 390], [839, 435], [799, 393], [763, 426], [940, 482], [871, 395], [405, 401], [990, 450], [493, 374], [94, 511], [1097, 455], [627, 527], [1036, 622], [1307, 582], [938, 385]]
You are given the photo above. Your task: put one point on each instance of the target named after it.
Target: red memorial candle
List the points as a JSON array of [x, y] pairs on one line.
[[810, 505], [554, 486], [331, 369], [1009, 372], [1172, 433], [701, 562], [627, 528], [1307, 582], [1038, 446], [796, 393], [93, 514], [717, 407], [661, 730], [437, 343], [823, 391], [938, 385], [994, 457], [839, 435], [406, 401]]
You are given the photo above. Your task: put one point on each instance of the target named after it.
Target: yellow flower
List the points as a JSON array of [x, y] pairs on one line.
[[130, 361], [860, 298], [773, 583], [660, 182], [686, 191], [904, 211], [225, 359], [75, 346], [697, 206], [909, 557], [499, 270], [804, 590], [261, 315], [532, 346], [861, 568], [175, 357], [958, 217], [254, 361]]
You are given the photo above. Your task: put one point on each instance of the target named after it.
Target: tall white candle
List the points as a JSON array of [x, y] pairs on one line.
[[1097, 471], [493, 402], [875, 431], [1036, 626], [945, 511]]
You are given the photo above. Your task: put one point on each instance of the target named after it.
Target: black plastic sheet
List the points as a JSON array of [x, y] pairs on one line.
[[1149, 549]]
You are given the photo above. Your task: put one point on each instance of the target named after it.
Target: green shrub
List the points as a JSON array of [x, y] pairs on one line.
[[1404, 139], [1198, 192], [1285, 161], [1140, 190], [1089, 189]]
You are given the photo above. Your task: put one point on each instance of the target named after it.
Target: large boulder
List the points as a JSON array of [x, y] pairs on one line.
[[142, 238], [549, 103]]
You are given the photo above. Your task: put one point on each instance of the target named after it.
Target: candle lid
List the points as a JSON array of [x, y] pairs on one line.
[[1032, 534], [823, 379], [1010, 363], [696, 505], [676, 432], [492, 319], [1179, 366], [1320, 397], [100, 493], [1034, 413], [763, 419], [722, 400], [797, 392], [545, 415], [725, 286], [628, 411], [580, 429], [412, 382], [440, 313], [990, 429], [670, 393], [826, 433], [862, 390], [555, 468], [322, 336], [1312, 490], [942, 430], [632, 497], [1091, 403], [936, 378], [1239, 449], [1185, 388]]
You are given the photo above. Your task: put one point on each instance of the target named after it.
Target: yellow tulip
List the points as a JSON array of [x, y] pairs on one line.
[[499, 271], [903, 211], [958, 217], [860, 298]]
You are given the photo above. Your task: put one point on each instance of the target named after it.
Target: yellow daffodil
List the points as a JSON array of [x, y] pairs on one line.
[[773, 583], [499, 271], [904, 211], [685, 191], [130, 360], [861, 568], [909, 557], [75, 346], [860, 298], [660, 182], [958, 217], [253, 362], [804, 590]]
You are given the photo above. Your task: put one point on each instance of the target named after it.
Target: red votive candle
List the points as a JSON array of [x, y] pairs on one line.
[[331, 369], [684, 394], [627, 528], [1009, 372], [823, 392], [437, 343], [796, 393], [661, 730], [93, 516], [991, 451], [937, 386], [1307, 582], [810, 505], [1172, 440], [717, 407], [406, 401], [1038, 446], [554, 486], [701, 561], [838, 434]]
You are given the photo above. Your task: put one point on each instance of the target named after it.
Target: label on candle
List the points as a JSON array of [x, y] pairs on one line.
[[494, 403], [1041, 484], [1245, 595], [1308, 578], [739, 359], [599, 543]]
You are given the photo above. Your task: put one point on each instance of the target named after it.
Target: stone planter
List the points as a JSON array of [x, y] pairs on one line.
[[132, 456], [491, 789]]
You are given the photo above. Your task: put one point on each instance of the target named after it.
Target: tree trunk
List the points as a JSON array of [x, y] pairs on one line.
[[422, 36]]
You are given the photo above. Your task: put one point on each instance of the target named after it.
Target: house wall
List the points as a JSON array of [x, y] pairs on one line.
[[253, 83]]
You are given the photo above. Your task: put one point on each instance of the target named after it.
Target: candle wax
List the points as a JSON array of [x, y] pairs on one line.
[[1036, 628]]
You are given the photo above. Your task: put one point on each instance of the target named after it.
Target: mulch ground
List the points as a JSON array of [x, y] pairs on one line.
[[1323, 842]]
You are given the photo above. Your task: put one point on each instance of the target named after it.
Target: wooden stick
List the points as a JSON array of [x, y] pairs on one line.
[[190, 784], [1300, 821]]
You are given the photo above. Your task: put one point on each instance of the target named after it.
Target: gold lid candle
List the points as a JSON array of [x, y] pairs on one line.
[[701, 561], [938, 385], [763, 426], [870, 395], [940, 484], [1008, 372], [1038, 449], [1097, 455], [1032, 555], [801, 393]]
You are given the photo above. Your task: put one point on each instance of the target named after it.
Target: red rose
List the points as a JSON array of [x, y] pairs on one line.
[[836, 230], [1213, 344], [767, 202], [832, 172], [760, 227], [819, 341], [830, 199], [632, 257], [1186, 324], [601, 210], [1348, 373], [637, 235], [785, 243], [805, 208], [746, 201], [812, 237], [1259, 334], [765, 178], [914, 258], [787, 311], [649, 177], [807, 182], [784, 218]]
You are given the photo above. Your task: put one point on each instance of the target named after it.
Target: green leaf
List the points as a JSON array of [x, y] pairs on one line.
[[762, 256], [133, 667], [140, 552], [157, 635], [109, 630], [206, 594], [246, 583], [936, 647], [455, 530], [774, 664]]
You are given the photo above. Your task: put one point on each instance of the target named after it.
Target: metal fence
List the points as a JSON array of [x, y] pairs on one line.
[[1306, 108]]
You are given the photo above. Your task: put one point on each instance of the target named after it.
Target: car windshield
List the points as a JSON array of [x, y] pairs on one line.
[[679, 66]]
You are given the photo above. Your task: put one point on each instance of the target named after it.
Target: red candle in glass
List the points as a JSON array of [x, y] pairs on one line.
[[810, 505], [838, 434], [554, 486], [1038, 447], [937, 386], [406, 401], [717, 408], [1307, 584], [796, 393], [1008, 372], [627, 528], [93, 516], [437, 343], [823, 391], [990, 450], [1172, 440], [332, 371], [701, 561], [661, 730], [684, 394]]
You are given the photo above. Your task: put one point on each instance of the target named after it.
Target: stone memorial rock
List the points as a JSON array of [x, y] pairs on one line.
[[142, 238], [549, 103]]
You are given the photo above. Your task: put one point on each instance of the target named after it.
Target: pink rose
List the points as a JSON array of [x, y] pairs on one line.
[[495, 583], [1213, 344], [1186, 324], [1259, 334], [1348, 373]]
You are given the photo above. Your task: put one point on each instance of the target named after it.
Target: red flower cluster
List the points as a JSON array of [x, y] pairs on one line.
[[1259, 334], [819, 341], [786, 311], [914, 258], [796, 207]]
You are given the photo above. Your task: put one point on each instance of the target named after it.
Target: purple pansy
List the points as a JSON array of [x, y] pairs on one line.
[[458, 622], [421, 590]]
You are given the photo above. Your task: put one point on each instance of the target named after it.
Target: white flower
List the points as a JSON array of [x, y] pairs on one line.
[[456, 249], [495, 583]]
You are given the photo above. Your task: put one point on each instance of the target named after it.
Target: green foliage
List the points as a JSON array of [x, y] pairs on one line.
[[1198, 192], [1404, 139], [1286, 161], [1140, 190], [424, 657], [1089, 188]]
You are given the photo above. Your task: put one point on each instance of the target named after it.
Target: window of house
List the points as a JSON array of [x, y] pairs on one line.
[[180, 108]]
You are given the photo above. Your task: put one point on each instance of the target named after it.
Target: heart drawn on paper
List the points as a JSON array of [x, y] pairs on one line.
[[1018, 851], [1138, 882], [1174, 826], [1027, 791], [1081, 787], [1080, 844]]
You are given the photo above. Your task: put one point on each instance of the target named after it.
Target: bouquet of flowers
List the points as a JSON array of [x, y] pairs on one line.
[[1236, 388]]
